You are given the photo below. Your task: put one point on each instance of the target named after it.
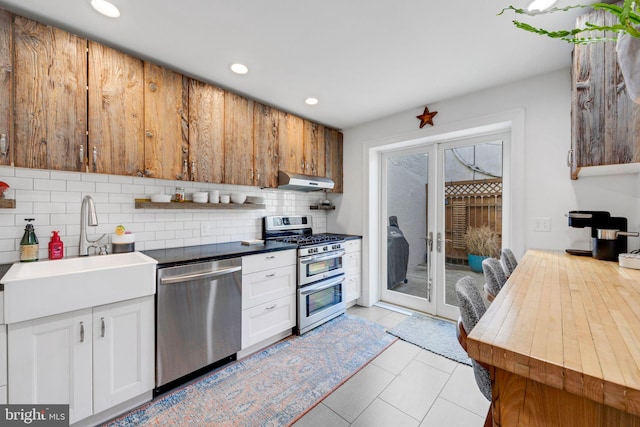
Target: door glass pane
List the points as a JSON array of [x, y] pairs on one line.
[[407, 188], [473, 199]]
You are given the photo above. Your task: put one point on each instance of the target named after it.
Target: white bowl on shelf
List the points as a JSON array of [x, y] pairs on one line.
[[238, 198], [200, 197], [161, 198]]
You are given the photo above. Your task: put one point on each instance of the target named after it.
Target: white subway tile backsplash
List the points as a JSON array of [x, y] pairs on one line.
[[49, 185], [82, 186], [54, 199], [66, 176]]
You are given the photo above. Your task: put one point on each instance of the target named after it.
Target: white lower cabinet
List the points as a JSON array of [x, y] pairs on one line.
[[268, 295], [91, 359], [352, 270]]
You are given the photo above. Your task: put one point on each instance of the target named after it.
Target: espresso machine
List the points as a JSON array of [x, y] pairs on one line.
[[608, 234]]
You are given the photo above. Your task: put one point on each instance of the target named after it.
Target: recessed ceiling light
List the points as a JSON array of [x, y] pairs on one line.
[[105, 8], [311, 101], [541, 5], [239, 68]]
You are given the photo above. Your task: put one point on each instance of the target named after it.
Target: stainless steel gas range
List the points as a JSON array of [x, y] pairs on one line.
[[320, 286]]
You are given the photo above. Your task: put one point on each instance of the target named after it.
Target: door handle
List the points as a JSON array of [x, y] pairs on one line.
[[440, 241], [102, 327], [81, 331]]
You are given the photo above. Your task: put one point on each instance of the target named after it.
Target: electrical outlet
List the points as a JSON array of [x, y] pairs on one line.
[[205, 229], [542, 223]]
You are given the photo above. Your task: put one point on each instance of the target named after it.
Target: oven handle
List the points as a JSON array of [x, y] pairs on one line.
[[321, 288], [322, 257], [190, 277]]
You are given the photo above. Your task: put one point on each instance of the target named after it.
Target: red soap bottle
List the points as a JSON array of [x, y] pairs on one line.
[[56, 247]]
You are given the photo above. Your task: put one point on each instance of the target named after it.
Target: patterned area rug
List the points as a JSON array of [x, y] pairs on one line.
[[436, 335], [274, 387]]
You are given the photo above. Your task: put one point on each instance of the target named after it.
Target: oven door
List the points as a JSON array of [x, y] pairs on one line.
[[318, 267], [320, 302]]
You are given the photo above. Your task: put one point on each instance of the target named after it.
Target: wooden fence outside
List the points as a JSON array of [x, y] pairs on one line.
[[470, 204]]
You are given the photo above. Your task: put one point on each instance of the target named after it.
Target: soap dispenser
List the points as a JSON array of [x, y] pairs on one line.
[[29, 244], [56, 247]]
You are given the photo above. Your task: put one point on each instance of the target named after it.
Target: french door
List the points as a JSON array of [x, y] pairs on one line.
[[431, 195]]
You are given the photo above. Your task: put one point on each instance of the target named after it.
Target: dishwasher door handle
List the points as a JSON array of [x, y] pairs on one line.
[[189, 277]]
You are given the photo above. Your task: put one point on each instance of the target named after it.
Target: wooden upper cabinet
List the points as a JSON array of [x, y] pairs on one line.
[[266, 134], [116, 112], [166, 105], [6, 87], [333, 147], [290, 146], [314, 148], [206, 132], [605, 123], [238, 140], [50, 97]]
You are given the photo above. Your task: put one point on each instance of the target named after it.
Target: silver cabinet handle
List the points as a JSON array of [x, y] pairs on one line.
[[95, 157], [189, 277], [270, 257], [185, 170], [270, 275], [193, 170], [272, 307], [81, 331], [4, 147], [81, 158], [311, 260], [102, 327], [570, 158], [321, 288]]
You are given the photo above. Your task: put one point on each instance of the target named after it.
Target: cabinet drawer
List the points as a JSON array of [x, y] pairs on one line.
[[267, 320], [352, 263], [267, 261], [352, 288], [354, 245], [268, 285]]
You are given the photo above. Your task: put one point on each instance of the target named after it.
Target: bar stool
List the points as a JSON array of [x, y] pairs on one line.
[[508, 261], [494, 276], [471, 310]]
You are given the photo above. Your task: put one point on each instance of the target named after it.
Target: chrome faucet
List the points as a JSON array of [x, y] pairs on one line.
[[88, 216]]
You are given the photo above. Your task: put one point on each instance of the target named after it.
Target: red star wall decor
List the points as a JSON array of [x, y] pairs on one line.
[[426, 117]]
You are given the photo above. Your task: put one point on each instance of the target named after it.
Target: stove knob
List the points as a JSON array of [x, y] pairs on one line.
[[325, 249]]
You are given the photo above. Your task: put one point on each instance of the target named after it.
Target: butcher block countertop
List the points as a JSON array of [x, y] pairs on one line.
[[568, 322]]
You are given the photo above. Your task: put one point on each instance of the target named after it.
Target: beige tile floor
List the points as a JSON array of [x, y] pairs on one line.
[[403, 386]]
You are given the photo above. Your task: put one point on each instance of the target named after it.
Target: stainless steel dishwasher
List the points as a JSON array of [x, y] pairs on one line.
[[198, 316]]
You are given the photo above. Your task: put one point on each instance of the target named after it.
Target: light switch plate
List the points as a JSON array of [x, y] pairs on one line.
[[542, 223]]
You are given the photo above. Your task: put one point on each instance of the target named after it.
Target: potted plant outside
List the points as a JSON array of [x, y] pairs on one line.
[[482, 242], [626, 31]]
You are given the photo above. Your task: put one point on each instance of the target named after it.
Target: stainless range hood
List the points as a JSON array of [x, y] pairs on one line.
[[299, 182]]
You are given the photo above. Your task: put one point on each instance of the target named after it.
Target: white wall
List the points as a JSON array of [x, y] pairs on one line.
[[54, 200], [542, 184]]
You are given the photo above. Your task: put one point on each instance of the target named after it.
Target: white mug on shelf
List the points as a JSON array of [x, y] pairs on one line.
[[214, 196], [224, 198]]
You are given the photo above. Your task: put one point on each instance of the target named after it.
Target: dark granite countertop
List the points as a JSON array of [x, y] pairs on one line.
[[174, 256]]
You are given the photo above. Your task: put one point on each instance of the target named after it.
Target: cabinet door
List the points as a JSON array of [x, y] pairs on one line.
[[50, 97], [266, 133], [6, 87], [291, 145], [116, 112], [166, 97], [238, 140], [206, 132], [123, 351], [603, 117], [333, 144], [50, 362], [314, 148]]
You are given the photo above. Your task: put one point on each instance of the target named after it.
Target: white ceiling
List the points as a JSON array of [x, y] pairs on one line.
[[362, 59]]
